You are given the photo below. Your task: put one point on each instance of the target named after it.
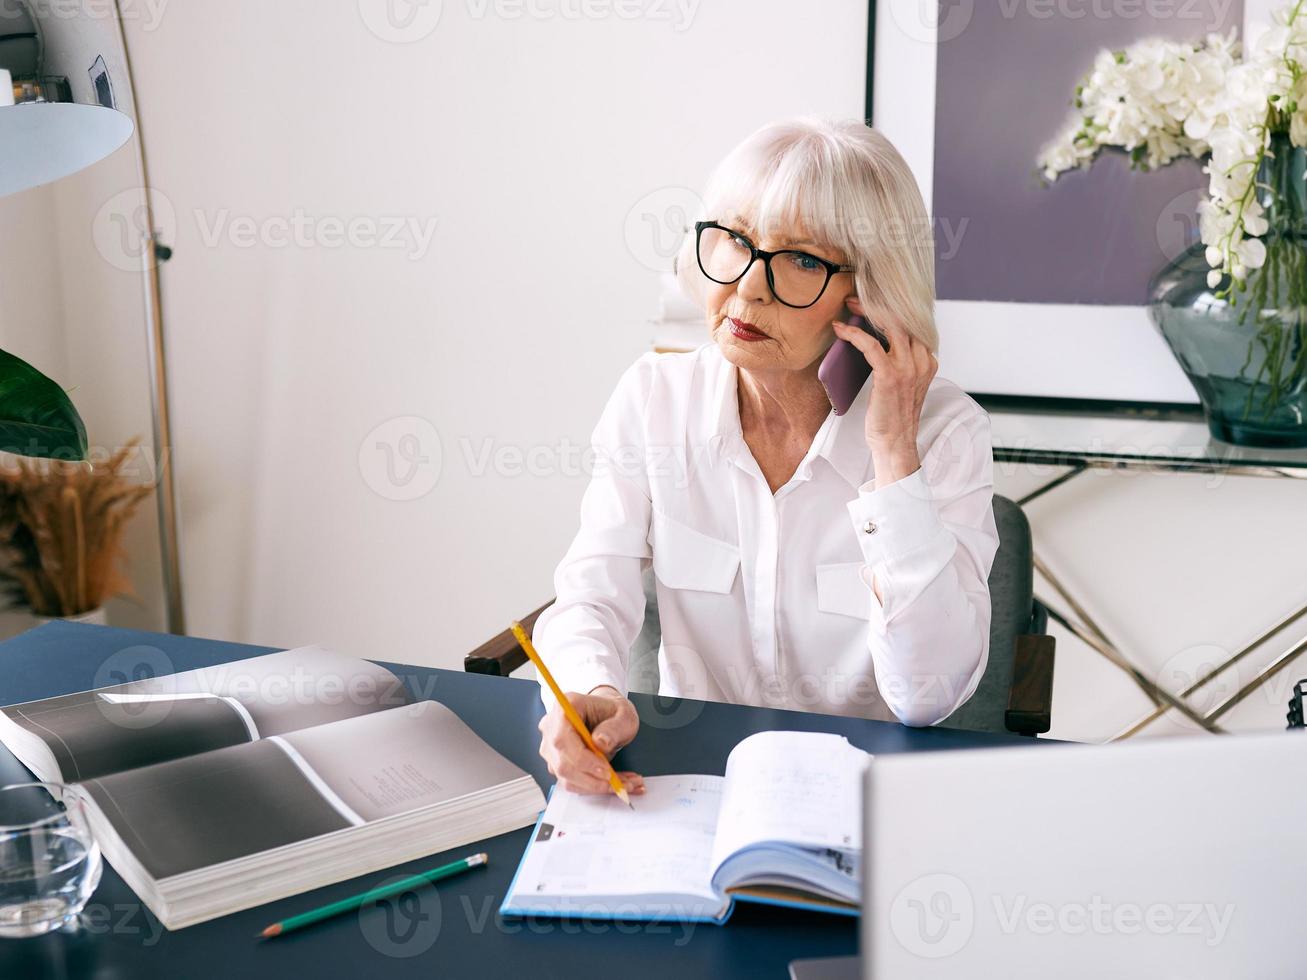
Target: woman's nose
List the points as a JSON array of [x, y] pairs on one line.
[[752, 285]]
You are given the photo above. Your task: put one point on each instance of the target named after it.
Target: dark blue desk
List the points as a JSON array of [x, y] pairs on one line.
[[451, 931]]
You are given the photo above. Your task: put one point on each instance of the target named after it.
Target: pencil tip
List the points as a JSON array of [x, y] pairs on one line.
[[270, 931]]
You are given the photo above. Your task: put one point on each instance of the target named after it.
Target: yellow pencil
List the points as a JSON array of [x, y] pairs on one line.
[[614, 780]]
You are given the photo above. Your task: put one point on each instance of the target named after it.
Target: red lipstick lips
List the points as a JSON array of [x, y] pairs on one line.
[[745, 331]]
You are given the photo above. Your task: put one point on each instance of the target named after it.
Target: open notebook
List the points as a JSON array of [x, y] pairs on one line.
[[782, 826], [219, 789]]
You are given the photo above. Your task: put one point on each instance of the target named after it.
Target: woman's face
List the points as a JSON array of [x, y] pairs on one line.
[[757, 332]]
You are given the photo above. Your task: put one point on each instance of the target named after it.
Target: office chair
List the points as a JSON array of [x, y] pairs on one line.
[[1015, 693]]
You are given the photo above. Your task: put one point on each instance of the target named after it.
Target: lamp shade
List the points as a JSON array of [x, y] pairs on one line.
[[41, 142]]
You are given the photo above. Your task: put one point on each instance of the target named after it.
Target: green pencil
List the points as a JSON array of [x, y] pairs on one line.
[[376, 894]]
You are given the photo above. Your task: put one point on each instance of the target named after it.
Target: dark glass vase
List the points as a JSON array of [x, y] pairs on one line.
[[1246, 354]]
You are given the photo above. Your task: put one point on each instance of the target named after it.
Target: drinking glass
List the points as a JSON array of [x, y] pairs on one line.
[[49, 860]]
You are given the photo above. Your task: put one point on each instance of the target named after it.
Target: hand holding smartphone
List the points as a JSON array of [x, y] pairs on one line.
[[844, 369]]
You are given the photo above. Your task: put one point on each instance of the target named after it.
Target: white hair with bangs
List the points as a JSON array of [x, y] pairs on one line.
[[843, 185]]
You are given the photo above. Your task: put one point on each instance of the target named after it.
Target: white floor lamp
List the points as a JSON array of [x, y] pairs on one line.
[[45, 136]]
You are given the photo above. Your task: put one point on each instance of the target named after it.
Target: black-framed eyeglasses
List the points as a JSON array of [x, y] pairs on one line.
[[797, 279]]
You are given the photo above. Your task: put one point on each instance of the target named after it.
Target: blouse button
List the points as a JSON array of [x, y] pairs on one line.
[[869, 528]]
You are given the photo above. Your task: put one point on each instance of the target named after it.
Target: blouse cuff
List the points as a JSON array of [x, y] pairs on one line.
[[579, 675], [895, 520]]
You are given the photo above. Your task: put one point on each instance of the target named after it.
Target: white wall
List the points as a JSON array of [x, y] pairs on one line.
[[527, 141], [537, 147]]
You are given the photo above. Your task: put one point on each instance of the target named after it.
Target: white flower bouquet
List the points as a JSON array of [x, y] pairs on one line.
[[1160, 100], [1245, 114]]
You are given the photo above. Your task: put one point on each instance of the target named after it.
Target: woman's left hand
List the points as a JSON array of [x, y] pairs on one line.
[[900, 379]]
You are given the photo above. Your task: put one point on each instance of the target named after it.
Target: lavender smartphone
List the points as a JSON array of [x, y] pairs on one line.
[[844, 369]]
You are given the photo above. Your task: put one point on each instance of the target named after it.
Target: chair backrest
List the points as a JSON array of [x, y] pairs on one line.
[[1012, 602], [1011, 593]]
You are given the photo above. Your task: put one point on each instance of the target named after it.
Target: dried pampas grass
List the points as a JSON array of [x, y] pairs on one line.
[[61, 526]]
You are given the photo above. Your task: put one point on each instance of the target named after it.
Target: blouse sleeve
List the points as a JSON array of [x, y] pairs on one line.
[[929, 540], [586, 635]]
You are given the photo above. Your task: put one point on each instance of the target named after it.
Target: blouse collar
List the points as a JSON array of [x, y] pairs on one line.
[[839, 440]]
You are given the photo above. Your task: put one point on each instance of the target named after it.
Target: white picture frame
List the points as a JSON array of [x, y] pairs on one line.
[[1035, 350]]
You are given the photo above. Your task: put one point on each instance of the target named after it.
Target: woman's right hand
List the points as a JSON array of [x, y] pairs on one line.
[[613, 722]]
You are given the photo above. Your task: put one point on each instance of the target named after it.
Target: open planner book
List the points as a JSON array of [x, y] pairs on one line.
[[219, 789], [783, 826]]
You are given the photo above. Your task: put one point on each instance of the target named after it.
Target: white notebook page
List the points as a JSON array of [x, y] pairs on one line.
[[600, 847], [800, 788]]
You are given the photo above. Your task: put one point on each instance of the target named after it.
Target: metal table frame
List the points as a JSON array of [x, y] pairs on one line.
[[1139, 437]]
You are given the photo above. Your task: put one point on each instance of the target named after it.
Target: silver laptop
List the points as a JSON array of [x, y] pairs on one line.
[[1178, 857]]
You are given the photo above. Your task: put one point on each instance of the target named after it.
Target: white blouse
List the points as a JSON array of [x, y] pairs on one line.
[[766, 599]]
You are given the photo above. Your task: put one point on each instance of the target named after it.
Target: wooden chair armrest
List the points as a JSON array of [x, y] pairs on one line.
[[501, 655], [1030, 701]]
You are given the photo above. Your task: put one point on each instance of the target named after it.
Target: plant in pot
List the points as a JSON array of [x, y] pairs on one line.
[[1233, 306], [61, 526]]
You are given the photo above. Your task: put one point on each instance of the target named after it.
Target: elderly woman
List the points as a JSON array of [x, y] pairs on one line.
[[803, 559]]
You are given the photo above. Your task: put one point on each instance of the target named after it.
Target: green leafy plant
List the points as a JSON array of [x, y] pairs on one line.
[[36, 416]]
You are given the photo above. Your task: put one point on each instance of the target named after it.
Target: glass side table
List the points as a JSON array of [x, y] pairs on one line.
[[1136, 436]]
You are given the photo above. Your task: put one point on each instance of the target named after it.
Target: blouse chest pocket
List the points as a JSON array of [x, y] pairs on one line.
[[840, 589], [684, 558]]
